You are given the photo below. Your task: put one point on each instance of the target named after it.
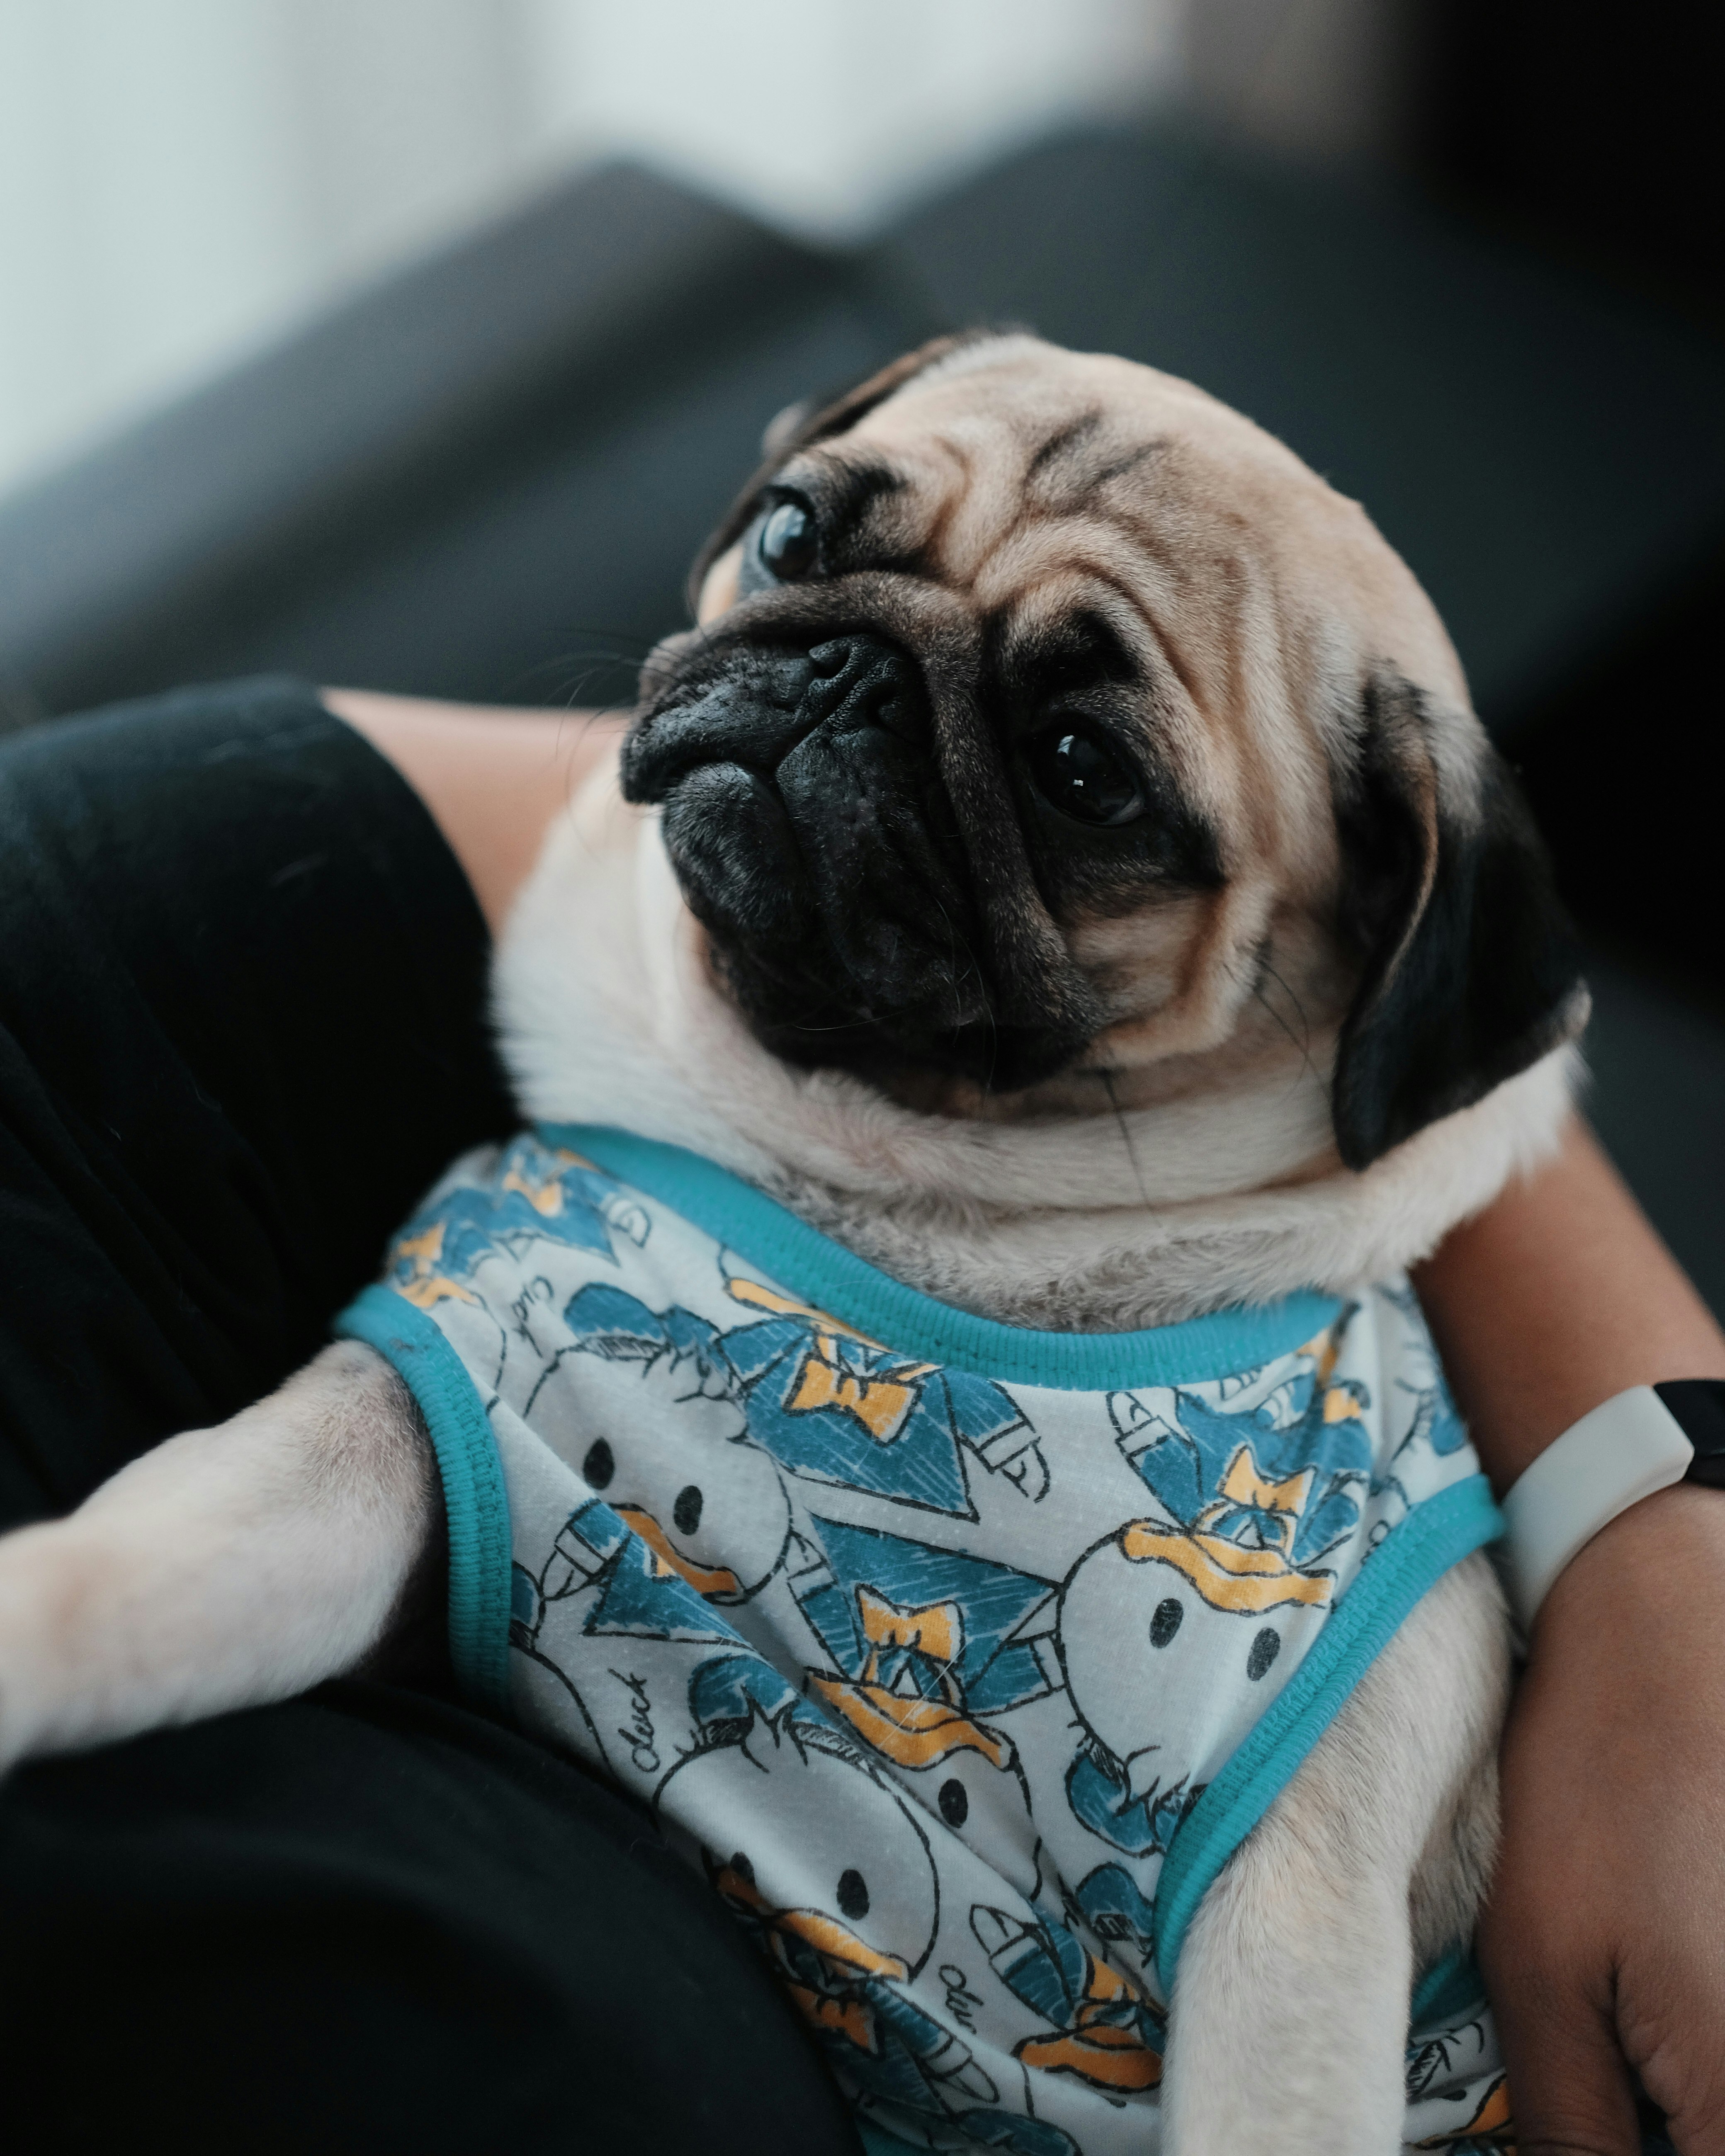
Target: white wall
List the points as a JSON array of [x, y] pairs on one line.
[[181, 179], [825, 112]]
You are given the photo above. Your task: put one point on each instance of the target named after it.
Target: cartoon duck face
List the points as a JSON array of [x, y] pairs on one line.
[[1146, 1656], [814, 1847], [987, 1808], [704, 1500], [657, 1432]]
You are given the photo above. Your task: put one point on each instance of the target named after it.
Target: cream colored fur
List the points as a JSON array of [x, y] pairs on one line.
[[1227, 1190], [228, 1567]]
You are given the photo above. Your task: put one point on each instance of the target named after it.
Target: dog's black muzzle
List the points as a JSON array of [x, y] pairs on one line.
[[806, 818]]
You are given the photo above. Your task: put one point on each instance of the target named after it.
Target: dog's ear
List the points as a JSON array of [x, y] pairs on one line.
[[813, 419], [817, 419], [1470, 968]]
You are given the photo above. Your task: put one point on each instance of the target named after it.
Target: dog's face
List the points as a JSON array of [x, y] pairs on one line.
[[1049, 722]]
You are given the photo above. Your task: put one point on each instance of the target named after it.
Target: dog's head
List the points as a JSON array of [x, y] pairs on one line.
[[1047, 719]]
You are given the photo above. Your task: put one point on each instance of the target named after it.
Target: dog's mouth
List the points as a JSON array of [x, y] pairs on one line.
[[814, 837]]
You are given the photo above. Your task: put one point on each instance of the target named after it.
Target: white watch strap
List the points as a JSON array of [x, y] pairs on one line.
[[1601, 1465]]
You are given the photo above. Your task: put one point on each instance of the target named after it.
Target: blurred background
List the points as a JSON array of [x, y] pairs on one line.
[[415, 343]]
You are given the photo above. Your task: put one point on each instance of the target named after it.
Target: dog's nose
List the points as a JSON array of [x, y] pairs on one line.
[[862, 680], [762, 701]]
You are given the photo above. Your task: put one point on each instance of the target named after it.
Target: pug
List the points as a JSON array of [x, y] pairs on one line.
[[1054, 947]]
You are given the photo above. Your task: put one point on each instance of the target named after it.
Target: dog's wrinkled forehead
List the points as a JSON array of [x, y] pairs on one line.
[[1008, 461], [1035, 482]]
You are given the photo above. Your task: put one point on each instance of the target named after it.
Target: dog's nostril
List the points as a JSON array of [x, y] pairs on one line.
[[862, 682]]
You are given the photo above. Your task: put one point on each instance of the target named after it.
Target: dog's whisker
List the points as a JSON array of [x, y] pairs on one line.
[[1131, 1151], [1263, 970], [1303, 1040]]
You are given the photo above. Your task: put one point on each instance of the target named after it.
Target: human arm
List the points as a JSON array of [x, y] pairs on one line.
[[1601, 1942], [492, 780]]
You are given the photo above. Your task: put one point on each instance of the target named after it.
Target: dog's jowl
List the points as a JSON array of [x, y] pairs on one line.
[[930, 1404]]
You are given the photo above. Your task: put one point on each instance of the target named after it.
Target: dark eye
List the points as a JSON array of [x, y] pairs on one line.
[[685, 1513], [1078, 771], [852, 1896], [787, 542]]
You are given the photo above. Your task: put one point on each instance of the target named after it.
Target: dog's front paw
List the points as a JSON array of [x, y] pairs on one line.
[[26, 1595], [53, 1687]]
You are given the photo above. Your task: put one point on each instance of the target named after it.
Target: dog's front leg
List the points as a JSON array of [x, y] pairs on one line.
[[1289, 2021], [228, 1567]]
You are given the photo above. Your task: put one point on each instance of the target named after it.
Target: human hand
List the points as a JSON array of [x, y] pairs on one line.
[[1604, 1942]]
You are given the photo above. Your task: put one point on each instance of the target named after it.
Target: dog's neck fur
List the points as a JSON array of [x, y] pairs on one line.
[[1221, 1195]]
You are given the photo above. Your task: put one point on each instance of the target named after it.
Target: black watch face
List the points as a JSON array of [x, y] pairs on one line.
[[1697, 1406]]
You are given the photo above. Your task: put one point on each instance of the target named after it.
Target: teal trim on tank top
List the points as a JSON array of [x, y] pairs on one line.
[[1411, 1558], [475, 1502], [813, 1267]]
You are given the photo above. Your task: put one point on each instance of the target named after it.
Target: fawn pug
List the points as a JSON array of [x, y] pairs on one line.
[[930, 1404]]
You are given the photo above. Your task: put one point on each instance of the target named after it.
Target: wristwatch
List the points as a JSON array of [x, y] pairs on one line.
[[1640, 1441]]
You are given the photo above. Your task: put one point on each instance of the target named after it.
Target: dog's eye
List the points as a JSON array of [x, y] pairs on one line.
[[1077, 770], [787, 542]]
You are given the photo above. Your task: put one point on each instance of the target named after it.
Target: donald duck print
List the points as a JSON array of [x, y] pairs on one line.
[[927, 1640]]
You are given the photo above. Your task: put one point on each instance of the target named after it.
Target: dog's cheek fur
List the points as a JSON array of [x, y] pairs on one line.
[[1472, 972]]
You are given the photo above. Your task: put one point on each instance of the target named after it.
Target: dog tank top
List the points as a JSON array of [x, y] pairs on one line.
[[959, 1657]]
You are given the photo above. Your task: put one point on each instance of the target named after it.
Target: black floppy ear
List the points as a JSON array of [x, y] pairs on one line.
[[817, 420], [1471, 970]]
